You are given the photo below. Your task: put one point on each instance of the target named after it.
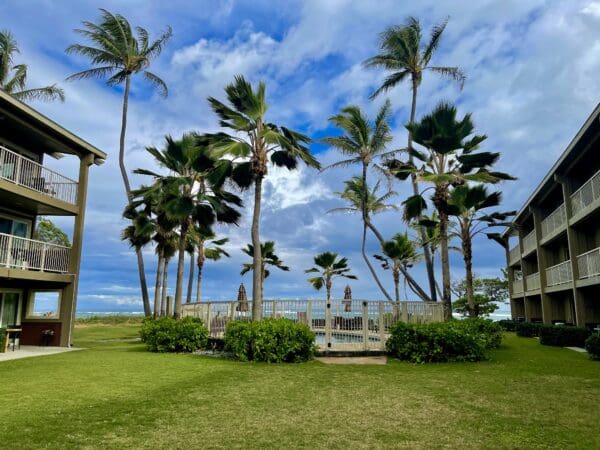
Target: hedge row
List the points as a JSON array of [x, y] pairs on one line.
[[169, 335]]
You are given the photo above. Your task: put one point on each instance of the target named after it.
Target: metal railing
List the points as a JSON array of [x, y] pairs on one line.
[[559, 274], [529, 243], [589, 263], [555, 221], [27, 254], [32, 175], [514, 254], [533, 281], [586, 194], [346, 325]]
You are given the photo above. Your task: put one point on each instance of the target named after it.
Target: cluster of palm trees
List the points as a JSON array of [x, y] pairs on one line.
[[177, 210]]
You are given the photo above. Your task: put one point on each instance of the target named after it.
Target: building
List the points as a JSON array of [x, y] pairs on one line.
[[553, 251], [38, 280]]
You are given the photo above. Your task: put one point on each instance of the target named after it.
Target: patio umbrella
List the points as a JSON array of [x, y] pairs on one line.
[[242, 299], [347, 299]]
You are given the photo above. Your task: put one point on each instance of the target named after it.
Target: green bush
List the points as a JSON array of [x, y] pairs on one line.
[[508, 324], [592, 345], [3, 338], [528, 329], [169, 335], [563, 336], [457, 340], [270, 340], [490, 331]]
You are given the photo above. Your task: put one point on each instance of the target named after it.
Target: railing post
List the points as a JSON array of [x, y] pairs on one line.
[[274, 309], [404, 312], [232, 312], [9, 251], [365, 324], [207, 323], [328, 325], [309, 314], [381, 326], [43, 259], [18, 171]]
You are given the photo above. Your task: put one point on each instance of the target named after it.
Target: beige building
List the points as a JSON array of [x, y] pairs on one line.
[[553, 253], [38, 280]]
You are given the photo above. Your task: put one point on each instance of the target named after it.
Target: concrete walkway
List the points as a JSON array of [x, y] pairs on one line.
[[29, 351], [360, 360]]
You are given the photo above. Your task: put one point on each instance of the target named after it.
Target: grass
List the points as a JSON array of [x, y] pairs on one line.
[[117, 395]]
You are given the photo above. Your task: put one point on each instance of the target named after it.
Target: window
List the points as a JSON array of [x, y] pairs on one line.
[[10, 305], [16, 227], [44, 305]]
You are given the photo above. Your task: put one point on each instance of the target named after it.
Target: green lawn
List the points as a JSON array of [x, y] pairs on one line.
[[116, 395]]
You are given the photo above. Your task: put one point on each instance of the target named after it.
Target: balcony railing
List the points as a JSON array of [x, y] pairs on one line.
[[589, 263], [559, 274], [555, 221], [514, 255], [27, 173], [27, 254], [586, 194], [517, 287], [529, 242], [533, 281]]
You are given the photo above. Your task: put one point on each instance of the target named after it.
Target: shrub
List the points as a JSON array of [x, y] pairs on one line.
[[438, 342], [508, 324], [490, 331], [592, 345], [3, 338], [563, 336], [270, 340], [169, 335], [528, 329]]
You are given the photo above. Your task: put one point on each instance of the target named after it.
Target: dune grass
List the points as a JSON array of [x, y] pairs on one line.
[[117, 395]]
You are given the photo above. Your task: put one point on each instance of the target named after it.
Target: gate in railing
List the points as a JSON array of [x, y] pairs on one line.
[[344, 325]]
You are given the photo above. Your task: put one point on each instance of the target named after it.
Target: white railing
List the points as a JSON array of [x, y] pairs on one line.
[[555, 221], [514, 254], [345, 325], [529, 242], [586, 194], [27, 173], [533, 281], [27, 254], [559, 274], [589, 263], [517, 286]]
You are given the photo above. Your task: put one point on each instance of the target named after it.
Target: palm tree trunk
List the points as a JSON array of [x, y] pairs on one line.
[[328, 289], [397, 284], [190, 286], [200, 267], [180, 267], [371, 269], [138, 251], [257, 259], [163, 299], [468, 258], [426, 248], [159, 268], [440, 200]]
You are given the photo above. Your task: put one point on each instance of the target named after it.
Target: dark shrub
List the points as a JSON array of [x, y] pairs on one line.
[[592, 345], [528, 329], [270, 340], [3, 338], [508, 325], [563, 336], [437, 342], [169, 335]]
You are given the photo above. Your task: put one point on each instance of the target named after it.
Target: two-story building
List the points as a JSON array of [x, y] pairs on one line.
[[38, 280], [553, 250]]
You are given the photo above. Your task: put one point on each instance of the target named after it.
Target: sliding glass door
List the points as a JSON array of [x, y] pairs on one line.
[[10, 308]]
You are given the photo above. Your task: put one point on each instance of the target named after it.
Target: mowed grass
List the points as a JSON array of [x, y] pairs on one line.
[[117, 395]]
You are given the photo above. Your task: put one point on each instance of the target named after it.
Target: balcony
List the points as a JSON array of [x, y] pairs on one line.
[[27, 254], [517, 286], [559, 274], [589, 264], [554, 222], [533, 281], [514, 255], [529, 243], [583, 197], [24, 172]]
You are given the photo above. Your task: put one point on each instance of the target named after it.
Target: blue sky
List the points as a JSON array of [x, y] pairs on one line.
[[532, 69]]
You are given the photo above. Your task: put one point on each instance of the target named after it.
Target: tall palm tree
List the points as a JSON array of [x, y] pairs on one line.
[[191, 196], [329, 267], [268, 259], [467, 203], [207, 248], [255, 141], [13, 78], [450, 159], [407, 58], [398, 253], [117, 52]]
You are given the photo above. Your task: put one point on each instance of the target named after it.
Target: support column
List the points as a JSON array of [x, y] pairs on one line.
[[69, 293], [542, 265]]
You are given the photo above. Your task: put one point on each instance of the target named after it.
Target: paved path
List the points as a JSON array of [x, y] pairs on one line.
[[360, 360], [29, 351]]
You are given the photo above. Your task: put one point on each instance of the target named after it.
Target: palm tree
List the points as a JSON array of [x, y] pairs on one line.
[[117, 53], [328, 266], [13, 78], [191, 196], [466, 203], [407, 58], [355, 194], [449, 160], [398, 253], [256, 141], [208, 248], [268, 258]]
